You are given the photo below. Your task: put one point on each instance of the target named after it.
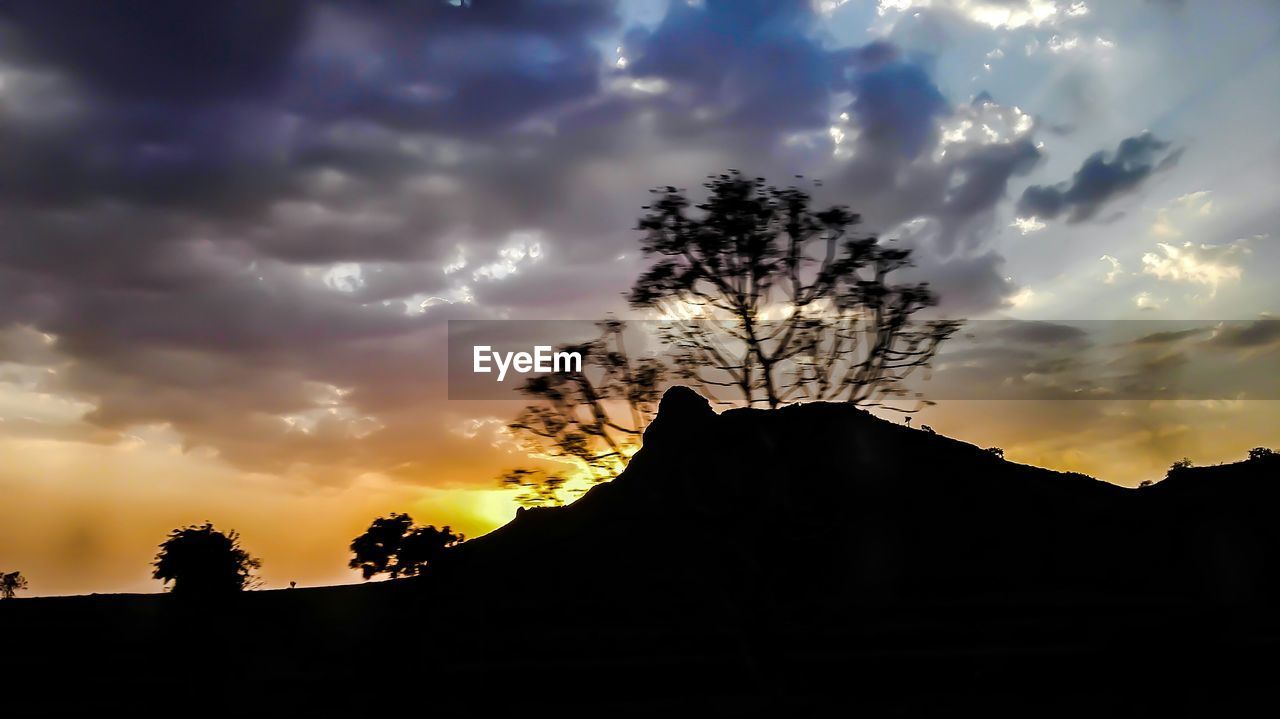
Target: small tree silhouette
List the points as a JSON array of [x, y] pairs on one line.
[[1260, 453], [996, 451], [202, 561], [11, 583], [396, 547], [1178, 467]]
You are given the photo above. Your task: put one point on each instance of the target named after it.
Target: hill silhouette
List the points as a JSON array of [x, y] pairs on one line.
[[750, 561], [826, 500]]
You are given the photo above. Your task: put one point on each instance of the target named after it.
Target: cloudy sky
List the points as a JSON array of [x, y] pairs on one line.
[[231, 232]]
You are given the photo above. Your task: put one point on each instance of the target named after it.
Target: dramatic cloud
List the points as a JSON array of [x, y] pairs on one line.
[[287, 230], [1099, 180], [283, 213], [264, 216]]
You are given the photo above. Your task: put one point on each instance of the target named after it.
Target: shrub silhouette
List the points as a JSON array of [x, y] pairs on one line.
[[1260, 453], [11, 583], [202, 561], [394, 546]]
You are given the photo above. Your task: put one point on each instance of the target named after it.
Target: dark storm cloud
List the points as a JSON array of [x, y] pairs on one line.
[[969, 285], [222, 104], [169, 102], [757, 61], [982, 177], [162, 51], [171, 223], [898, 105], [469, 70], [956, 187], [1099, 180], [424, 62]]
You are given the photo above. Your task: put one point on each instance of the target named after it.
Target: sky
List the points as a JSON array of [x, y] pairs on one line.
[[232, 233]]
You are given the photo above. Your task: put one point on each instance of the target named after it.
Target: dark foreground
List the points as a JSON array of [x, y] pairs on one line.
[[753, 563], [321, 650], [365, 648]]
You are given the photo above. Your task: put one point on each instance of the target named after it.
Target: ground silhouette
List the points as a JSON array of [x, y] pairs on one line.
[[783, 561]]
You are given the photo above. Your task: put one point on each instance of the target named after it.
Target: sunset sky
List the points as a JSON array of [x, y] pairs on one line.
[[231, 233]]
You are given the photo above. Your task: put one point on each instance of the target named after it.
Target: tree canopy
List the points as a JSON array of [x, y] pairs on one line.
[[395, 546], [202, 561], [11, 583], [774, 301]]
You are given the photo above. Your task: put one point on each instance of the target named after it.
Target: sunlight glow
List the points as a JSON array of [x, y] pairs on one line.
[[1021, 298], [524, 247], [995, 14], [344, 277], [1203, 264], [1027, 225]]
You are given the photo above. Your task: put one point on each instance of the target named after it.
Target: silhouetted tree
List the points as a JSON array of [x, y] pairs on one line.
[[590, 418], [396, 547], [202, 561], [997, 451], [786, 305], [1178, 467], [775, 302], [11, 583], [1261, 453]]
